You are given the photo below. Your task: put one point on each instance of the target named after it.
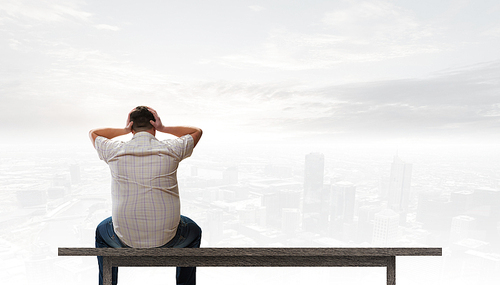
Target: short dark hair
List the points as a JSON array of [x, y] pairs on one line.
[[141, 117]]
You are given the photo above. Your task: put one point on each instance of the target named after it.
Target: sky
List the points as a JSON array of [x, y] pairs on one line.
[[263, 71]]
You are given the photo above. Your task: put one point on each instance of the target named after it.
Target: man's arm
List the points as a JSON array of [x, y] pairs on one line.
[[176, 131], [110, 133], [182, 131]]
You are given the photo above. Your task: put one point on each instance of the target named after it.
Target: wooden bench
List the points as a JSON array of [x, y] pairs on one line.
[[259, 257]]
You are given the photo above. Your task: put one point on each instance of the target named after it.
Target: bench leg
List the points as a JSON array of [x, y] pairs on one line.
[[391, 270], [106, 270]]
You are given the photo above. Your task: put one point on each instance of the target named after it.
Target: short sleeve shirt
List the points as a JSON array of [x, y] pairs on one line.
[[145, 194]]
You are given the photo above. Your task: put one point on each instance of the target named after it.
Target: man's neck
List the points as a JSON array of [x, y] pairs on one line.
[[151, 131]]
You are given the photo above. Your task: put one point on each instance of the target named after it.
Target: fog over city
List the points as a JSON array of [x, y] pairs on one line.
[[326, 124]]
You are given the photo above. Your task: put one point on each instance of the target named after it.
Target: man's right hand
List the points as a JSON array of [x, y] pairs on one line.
[[156, 124], [176, 131]]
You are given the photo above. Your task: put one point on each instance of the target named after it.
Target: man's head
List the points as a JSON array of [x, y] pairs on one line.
[[141, 117]]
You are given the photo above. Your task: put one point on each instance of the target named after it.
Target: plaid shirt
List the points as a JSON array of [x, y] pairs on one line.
[[145, 195]]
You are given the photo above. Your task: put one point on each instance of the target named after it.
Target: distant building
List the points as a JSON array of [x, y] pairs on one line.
[[74, 170], [247, 215], [270, 201], [384, 188], [342, 201], [314, 211], [233, 192], [399, 187], [31, 198], [461, 201], [290, 220], [366, 217], [486, 210], [289, 198], [340, 207], [260, 216], [278, 171], [385, 228], [461, 228], [434, 211], [314, 170], [61, 180], [215, 229], [230, 175], [56, 192]]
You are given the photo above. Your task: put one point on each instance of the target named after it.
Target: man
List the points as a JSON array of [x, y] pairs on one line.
[[145, 195]]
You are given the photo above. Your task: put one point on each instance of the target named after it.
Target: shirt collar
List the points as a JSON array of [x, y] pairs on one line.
[[143, 134]]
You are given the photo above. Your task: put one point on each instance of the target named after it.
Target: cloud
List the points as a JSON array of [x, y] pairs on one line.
[[360, 32], [256, 8], [454, 104], [492, 32], [107, 27], [99, 85], [461, 103], [293, 51], [375, 20], [43, 11]]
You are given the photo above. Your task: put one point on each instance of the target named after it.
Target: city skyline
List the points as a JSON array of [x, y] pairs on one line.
[[254, 202]]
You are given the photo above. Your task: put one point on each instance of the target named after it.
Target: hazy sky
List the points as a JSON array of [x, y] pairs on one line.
[[353, 70]]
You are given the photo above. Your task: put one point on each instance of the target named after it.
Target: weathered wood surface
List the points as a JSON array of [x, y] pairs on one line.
[[249, 252], [391, 270], [257, 257], [251, 261]]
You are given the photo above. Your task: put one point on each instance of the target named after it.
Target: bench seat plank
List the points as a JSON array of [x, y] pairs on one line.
[[254, 257], [251, 261], [241, 252]]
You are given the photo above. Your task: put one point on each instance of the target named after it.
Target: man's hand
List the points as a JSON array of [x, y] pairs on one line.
[[129, 123], [156, 124], [176, 131]]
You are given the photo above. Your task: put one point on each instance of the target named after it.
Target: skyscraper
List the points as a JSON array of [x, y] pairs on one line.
[[385, 228], [342, 201], [215, 226], [399, 187], [366, 215], [340, 207], [290, 221], [313, 208], [461, 227], [313, 177]]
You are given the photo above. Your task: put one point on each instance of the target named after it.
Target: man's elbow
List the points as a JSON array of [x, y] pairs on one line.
[[201, 133], [92, 136], [197, 135]]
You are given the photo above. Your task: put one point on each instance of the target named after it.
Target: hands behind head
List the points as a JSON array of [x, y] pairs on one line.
[[156, 124]]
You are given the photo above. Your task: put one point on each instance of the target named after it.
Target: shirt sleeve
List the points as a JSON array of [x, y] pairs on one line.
[[106, 148], [182, 147]]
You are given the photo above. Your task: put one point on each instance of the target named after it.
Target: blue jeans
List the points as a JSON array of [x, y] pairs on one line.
[[188, 235]]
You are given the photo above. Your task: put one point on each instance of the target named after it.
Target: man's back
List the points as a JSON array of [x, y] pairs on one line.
[[146, 206]]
